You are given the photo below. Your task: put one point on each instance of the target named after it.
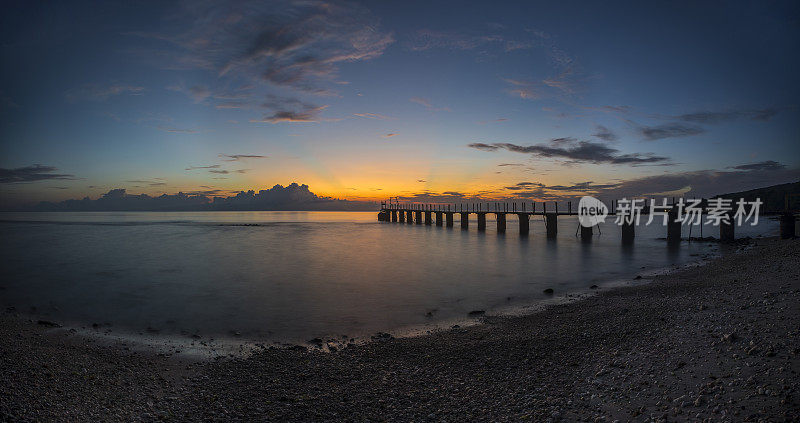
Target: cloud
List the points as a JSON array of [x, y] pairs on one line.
[[227, 172], [668, 130], [98, 92], [153, 183], [177, 130], [198, 93], [711, 117], [389, 135], [216, 166], [522, 89], [485, 44], [372, 116], [238, 157], [425, 102], [309, 116], [291, 197], [295, 44], [575, 152], [524, 186], [509, 164], [765, 165], [701, 184], [483, 147], [605, 134], [31, 174]]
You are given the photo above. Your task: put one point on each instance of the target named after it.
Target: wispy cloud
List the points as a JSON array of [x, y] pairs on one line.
[[227, 172], [100, 92], [216, 166], [765, 165], [238, 157], [711, 117], [668, 130], [372, 116], [389, 135], [428, 105], [285, 43], [32, 173], [604, 134], [177, 130]]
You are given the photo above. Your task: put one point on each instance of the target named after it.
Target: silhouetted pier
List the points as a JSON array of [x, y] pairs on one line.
[[443, 215]]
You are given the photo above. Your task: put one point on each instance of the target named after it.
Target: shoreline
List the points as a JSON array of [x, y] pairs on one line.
[[212, 346], [623, 353]]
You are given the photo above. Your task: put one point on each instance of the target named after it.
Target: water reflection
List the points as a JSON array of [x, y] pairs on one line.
[[299, 275]]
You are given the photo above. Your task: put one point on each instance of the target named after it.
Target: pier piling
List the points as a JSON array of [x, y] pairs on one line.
[[449, 219], [551, 222], [501, 222], [787, 226], [628, 231], [524, 223], [464, 220], [481, 221], [587, 232], [726, 229], [673, 227]]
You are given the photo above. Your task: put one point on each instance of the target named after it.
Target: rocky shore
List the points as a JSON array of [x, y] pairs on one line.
[[719, 342]]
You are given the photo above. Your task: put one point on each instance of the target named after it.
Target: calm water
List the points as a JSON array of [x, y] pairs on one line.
[[299, 275]]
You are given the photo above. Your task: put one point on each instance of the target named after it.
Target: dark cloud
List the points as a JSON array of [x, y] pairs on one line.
[[765, 165], [581, 186], [482, 146], [287, 116], [226, 172], [31, 174], [508, 164], [669, 130], [238, 157], [524, 186], [291, 197], [216, 166], [576, 152], [701, 184], [604, 134], [710, 117]]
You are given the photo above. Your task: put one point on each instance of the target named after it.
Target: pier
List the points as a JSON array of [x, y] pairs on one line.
[[414, 213]]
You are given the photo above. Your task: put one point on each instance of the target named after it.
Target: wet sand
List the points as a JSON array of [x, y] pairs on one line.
[[718, 342]]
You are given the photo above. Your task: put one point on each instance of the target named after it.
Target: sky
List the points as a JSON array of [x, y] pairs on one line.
[[426, 101]]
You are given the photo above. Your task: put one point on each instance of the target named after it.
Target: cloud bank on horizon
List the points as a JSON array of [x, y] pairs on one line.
[[364, 100]]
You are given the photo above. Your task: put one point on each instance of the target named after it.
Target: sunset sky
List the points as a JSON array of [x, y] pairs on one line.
[[425, 100]]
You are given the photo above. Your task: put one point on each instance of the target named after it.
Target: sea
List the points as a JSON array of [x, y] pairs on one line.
[[283, 277]]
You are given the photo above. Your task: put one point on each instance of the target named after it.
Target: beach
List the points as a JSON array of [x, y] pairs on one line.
[[718, 342]]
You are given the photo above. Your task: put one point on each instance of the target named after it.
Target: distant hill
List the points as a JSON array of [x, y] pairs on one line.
[[774, 197]]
